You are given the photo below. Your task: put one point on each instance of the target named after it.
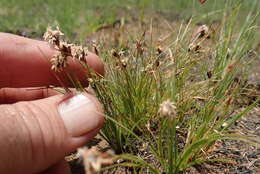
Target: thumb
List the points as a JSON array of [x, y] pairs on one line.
[[35, 135]]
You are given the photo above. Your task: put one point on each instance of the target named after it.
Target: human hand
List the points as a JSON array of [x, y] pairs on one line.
[[39, 127]]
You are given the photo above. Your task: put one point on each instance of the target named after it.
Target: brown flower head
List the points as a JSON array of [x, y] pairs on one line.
[[78, 52], [65, 50], [52, 36]]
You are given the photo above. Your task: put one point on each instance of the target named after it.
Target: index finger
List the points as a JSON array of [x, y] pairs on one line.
[[25, 63]]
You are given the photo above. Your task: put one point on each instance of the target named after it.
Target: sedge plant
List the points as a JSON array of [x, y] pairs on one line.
[[166, 106], [177, 102]]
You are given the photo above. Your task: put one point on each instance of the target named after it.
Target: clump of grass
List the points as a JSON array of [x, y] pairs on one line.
[[174, 102]]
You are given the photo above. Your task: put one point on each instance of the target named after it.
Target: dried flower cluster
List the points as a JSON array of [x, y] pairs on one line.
[[93, 159], [65, 50], [121, 62], [202, 32], [167, 108]]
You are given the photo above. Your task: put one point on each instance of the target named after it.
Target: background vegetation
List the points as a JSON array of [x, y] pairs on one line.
[[85, 16]]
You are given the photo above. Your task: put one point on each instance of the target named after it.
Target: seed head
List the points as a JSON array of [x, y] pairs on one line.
[[65, 50], [78, 52], [203, 30], [159, 50], [115, 53], [59, 61], [52, 36], [167, 108]]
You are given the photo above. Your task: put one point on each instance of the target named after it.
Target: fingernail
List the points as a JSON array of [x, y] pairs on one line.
[[80, 115]]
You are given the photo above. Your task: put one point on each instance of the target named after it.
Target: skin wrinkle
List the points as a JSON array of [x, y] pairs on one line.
[[5, 128], [42, 142], [50, 136], [12, 95], [25, 107], [53, 136], [28, 132], [14, 122], [21, 108]]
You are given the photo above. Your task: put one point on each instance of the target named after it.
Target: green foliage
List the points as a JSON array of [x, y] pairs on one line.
[[139, 78], [82, 17]]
